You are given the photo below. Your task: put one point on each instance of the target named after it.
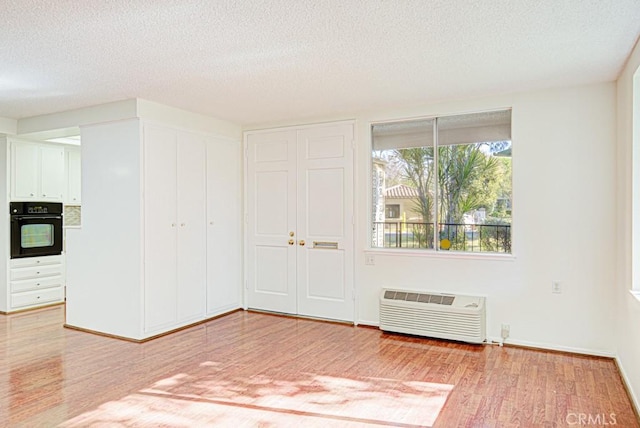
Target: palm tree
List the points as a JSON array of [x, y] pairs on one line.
[[465, 180], [416, 166]]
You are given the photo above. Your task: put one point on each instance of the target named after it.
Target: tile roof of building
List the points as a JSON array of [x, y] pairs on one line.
[[400, 191]]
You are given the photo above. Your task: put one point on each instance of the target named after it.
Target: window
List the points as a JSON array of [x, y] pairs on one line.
[[392, 211], [455, 176]]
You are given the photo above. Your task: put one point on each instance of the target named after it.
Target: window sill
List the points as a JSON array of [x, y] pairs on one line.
[[443, 255], [636, 294]]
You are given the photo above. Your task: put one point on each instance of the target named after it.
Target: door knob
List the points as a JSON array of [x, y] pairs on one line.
[[301, 243], [291, 234], [290, 241]]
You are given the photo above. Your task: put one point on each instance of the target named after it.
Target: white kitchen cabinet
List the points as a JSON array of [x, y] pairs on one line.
[[73, 176], [175, 231], [25, 175], [52, 181], [37, 171], [35, 282]]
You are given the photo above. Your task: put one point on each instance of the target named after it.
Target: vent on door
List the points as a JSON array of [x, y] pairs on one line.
[[444, 316]]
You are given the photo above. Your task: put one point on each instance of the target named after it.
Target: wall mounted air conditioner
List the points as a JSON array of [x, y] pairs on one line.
[[444, 316]]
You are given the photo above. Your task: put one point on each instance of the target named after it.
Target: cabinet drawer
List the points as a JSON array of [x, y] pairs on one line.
[[36, 284], [35, 261], [38, 297], [35, 272]]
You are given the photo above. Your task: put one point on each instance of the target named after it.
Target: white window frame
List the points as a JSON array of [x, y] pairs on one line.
[[429, 253]]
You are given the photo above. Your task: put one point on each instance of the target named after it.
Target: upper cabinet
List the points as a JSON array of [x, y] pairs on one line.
[[37, 172], [24, 171], [73, 176]]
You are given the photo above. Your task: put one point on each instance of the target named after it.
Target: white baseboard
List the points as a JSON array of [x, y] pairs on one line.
[[627, 384], [535, 345], [368, 323], [555, 347]]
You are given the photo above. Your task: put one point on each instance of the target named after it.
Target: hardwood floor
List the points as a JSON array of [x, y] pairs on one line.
[[251, 369]]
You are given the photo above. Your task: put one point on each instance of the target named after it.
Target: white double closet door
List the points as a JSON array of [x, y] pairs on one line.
[[300, 221]]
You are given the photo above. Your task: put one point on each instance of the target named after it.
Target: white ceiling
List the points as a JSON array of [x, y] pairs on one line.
[[252, 61]]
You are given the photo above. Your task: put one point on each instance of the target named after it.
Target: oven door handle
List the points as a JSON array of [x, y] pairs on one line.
[[33, 217]]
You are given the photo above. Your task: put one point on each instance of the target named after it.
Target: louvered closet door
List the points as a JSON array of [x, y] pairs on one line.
[[300, 213]]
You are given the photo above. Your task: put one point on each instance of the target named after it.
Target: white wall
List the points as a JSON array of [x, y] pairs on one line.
[[103, 257], [193, 122], [628, 208], [563, 217], [8, 126], [564, 223]]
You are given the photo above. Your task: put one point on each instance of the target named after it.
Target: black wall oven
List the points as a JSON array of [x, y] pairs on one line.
[[36, 229]]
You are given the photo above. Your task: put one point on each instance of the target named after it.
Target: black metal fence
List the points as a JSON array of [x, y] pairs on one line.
[[490, 238]]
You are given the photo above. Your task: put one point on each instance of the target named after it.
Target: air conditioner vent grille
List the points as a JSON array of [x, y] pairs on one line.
[[438, 299], [445, 316]]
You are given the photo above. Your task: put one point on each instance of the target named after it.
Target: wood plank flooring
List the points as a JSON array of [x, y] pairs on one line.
[[250, 369]]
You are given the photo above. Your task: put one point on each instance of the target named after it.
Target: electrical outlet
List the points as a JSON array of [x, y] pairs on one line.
[[505, 331], [556, 287], [369, 259]]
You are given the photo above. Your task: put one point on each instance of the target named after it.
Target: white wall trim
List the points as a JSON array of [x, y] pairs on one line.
[[302, 126], [533, 345], [555, 347], [627, 384], [63, 123], [109, 112], [441, 254]]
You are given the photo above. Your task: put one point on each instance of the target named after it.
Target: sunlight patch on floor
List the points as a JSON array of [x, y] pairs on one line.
[[269, 398]]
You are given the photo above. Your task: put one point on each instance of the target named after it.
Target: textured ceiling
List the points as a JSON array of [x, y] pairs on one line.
[[257, 61]]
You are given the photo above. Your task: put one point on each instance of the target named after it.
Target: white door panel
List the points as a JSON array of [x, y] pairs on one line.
[[325, 204], [224, 218], [332, 145], [271, 186], [325, 283], [325, 216], [300, 183], [160, 227], [271, 202], [272, 150], [192, 244], [274, 284], [271, 272]]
